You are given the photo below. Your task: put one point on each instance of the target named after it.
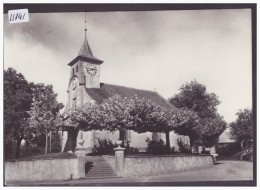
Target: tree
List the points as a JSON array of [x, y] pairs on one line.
[[17, 101], [55, 142], [111, 115], [148, 117], [206, 127], [84, 118], [242, 128], [44, 113], [194, 96], [209, 129], [117, 113]]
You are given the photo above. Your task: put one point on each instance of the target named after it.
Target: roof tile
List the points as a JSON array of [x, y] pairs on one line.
[[107, 90]]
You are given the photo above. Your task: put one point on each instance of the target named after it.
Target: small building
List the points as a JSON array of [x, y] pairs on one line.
[[85, 87]]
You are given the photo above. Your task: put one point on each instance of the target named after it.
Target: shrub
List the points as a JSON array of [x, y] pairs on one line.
[[29, 149], [9, 148], [158, 147], [104, 147], [34, 146], [183, 148], [130, 150], [248, 154], [55, 142], [228, 149]]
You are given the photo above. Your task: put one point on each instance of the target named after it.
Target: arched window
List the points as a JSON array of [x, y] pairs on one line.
[[72, 71], [77, 68]]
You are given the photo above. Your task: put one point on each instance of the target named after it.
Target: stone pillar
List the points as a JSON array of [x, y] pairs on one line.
[[81, 153], [119, 160]]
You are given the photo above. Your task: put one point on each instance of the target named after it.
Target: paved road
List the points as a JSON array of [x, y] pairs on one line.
[[221, 171]]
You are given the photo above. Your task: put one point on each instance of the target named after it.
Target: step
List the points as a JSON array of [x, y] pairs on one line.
[[100, 174], [99, 168], [104, 176], [99, 171], [101, 177], [102, 166], [94, 162]]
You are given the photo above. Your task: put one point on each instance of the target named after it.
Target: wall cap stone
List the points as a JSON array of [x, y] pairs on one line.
[[152, 156]]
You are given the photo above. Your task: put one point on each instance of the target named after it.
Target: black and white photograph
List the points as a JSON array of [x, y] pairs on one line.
[[129, 95]]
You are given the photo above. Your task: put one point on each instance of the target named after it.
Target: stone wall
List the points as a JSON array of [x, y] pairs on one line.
[[42, 170], [135, 166]]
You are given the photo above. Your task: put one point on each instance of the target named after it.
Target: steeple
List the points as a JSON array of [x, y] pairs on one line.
[[85, 53]]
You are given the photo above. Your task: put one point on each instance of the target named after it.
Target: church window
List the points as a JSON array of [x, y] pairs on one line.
[[74, 103], [77, 68], [72, 71]]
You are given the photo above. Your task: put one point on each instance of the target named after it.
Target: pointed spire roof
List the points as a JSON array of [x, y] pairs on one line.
[[85, 52]]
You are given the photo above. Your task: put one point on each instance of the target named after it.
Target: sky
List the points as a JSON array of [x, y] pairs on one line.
[[153, 50]]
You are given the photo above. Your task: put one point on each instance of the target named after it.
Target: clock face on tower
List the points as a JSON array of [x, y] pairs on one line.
[[91, 69]]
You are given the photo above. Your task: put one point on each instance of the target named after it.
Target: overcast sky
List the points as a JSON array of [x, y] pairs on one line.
[[157, 50]]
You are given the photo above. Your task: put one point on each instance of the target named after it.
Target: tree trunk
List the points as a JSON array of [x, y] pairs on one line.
[[168, 145], [46, 142], [50, 141], [122, 136], [71, 142], [191, 143], [18, 146]]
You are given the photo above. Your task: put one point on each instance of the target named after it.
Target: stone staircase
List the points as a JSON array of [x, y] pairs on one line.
[[97, 167]]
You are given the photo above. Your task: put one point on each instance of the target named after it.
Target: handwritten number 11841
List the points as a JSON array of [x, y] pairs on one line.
[[16, 16]]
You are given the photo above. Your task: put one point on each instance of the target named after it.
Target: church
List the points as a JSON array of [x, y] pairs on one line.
[[85, 87]]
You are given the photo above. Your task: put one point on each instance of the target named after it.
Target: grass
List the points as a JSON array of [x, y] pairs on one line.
[[60, 155]]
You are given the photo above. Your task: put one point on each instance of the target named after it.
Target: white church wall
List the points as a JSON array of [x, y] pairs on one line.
[[88, 137], [64, 139], [173, 139], [138, 140], [113, 136]]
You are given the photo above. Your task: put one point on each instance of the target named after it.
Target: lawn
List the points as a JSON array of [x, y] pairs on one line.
[[60, 155]]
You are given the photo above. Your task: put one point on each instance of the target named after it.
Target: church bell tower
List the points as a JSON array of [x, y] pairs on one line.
[[84, 73], [86, 67]]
